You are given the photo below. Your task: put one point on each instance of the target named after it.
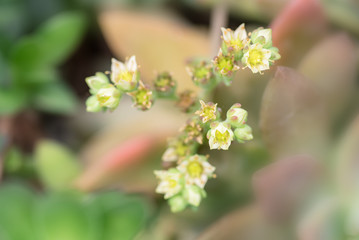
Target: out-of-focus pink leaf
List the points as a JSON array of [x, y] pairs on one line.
[[120, 158], [292, 117], [347, 163], [161, 43], [246, 223], [282, 187], [331, 67], [297, 28]]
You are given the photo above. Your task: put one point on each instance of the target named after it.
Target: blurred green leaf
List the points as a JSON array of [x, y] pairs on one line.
[[293, 120], [16, 211], [62, 217], [123, 216], [13, 160], [55, 98], [51, 44], [12, 101], [60, 35], [56, 165]]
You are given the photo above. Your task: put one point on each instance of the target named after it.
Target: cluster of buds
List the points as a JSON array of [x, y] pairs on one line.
[[184, 185], [254, 50], [221, 135], [125, 78]]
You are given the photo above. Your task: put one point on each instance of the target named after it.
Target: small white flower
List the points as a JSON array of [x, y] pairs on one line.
[[124, 75], [235, 39], [96, 82], [108, 96], [257, 58], [196, 169], [170, 182], [220, 135]]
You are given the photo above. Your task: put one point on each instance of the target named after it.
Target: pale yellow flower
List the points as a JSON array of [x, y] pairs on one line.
[[220, 135], [170, 182], [124, 75], [257, 58]]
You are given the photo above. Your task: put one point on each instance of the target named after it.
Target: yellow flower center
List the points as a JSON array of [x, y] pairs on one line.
[[172, 183], [124, 76], [225, 63], [181, 149], [195, 169], [102, 98], [255, 57], [221, 137], [236, 43]]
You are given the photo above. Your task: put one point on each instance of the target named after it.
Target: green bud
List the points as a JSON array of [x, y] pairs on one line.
[[109, 96], [177, 203], [243, 133], [96, 82], [93, 105], [274, 54], [236, 115], [262, 36], [193, 195], [165, 85]]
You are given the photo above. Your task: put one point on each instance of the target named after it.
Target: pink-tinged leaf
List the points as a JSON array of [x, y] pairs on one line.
[[292, 117], [127, 154], [347, 163], [331, 67], [297, 28], [246, 223], [160, 42], [282, 187]]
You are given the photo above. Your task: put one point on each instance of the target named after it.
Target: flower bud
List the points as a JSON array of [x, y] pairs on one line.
[[96, 82], [142, 97], [177, 203], [93, 105], [109, 96], [262, 36], [243, 133], [236, 115], [193, 195], [165, 85]]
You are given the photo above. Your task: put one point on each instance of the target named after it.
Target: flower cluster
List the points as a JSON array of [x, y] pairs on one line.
[[124, 78], [186, 172], [254, 50], [183, 185]]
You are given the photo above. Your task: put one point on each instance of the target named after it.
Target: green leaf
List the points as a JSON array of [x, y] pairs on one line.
[[56, 165], [63, 217], [59, 36], [51, 44], [55, 98], [12, 101], [123, 216], [16, 203]]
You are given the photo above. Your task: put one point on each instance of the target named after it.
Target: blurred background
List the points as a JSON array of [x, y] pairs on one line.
[[71, 175]]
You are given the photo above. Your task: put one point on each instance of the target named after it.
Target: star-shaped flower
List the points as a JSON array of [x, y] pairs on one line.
[[220, 135], [257, 58], [196, 170], [207, 112], [170, 182], [125, 75]]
